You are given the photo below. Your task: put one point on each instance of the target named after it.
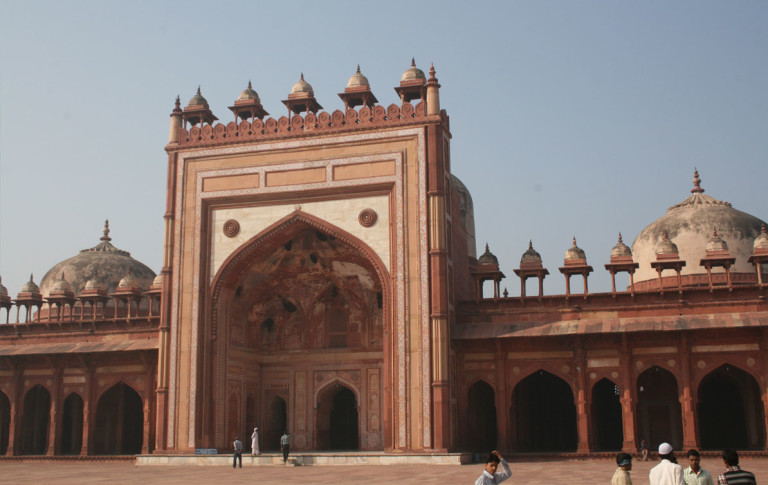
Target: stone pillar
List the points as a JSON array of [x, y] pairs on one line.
[[502, 399], [686, 398], [627, 386], [89, 407], [582, 415], [14, 429], [54, 433]]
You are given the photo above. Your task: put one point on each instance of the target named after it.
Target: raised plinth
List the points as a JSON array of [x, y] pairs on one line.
[[308, 459]]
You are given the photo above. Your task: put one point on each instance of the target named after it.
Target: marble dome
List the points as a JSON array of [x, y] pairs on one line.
[[102, 266], [358, 80], [690, 225], [413, 73], [302, 87]]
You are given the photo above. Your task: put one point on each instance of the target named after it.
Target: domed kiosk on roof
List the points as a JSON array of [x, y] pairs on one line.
[[103, 266], [689, 227]]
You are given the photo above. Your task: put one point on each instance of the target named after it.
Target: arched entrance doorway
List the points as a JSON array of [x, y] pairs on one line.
[[119, 423], [481, 418], [730, 411], [607, 430], [72, 425], [659, 417], [275, 423], [34, 428], [543, 414], [293, 308], [337, 419], [5, 422]]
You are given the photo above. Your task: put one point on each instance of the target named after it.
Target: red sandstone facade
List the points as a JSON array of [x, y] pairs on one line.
[[320, 277]]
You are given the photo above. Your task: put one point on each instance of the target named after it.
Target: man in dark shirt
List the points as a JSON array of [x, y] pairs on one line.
[[734, 475]]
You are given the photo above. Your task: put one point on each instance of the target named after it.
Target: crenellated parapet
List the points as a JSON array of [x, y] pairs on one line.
[[310, 124]]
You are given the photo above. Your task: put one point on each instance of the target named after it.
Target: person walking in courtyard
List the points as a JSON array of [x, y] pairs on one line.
[[733, 474], [238, 445], [492, 475], [255, 442], [667, 472], [621, 475], [285, 445], [644, 449], [694, 474]]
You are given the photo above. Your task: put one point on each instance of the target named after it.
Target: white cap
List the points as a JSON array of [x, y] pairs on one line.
[[665, 449]]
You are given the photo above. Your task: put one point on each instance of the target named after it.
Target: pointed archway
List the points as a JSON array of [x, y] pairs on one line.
[[5, 423], [36, 417], [543, 414], [730, 411], [659, 415], [607, 430], [336, 423], [480, 421], [119, 422], [275, 422], [301, 292], [72, 425]]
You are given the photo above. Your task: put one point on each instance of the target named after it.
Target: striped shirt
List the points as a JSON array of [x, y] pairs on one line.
[[734, 475]]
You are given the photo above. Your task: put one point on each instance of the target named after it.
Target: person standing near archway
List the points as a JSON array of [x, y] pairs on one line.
[[285, 445], [255, 442], [667, 472]]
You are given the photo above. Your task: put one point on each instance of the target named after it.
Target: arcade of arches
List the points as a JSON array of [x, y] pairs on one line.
[[305, 292], [542, 412]]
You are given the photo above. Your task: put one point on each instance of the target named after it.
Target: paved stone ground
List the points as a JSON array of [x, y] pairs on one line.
[[555, 472]]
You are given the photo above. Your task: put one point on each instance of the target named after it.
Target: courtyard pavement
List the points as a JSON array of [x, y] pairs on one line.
[[555, 472]]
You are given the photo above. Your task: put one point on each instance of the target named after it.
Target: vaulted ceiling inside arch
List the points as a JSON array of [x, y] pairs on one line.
[[313, 291]]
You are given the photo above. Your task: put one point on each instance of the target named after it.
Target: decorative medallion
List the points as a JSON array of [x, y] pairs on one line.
[[231, 228], [368, 217]]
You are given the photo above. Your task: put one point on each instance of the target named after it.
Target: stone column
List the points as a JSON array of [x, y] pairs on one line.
[[582, 416], [54, 433], [627, 385], [14, 429], [502, 399], [686, 397]]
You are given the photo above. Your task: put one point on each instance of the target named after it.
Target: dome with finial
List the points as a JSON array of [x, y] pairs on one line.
[[575, 253], [128, 281], [487, 257], [3, 289], [30, 286], [689, 224], [413, 74], [716, 243], [248, 94], [621, 250], [158, 281], [61, 284], [665, 246], [530, 255], [358, 80], [198, 100], [101, 266], [761, 241], [302, 87]]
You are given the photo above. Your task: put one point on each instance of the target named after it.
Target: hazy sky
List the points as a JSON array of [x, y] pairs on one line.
[[569, 118]]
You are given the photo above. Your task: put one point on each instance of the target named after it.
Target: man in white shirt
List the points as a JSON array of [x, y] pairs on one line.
[[492, 475], [694, 474], [667, 472]]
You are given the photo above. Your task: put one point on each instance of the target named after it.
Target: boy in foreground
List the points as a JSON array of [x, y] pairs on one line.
[[492, 475]]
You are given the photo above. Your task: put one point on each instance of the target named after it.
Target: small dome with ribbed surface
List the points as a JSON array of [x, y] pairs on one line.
[[574, 252], [198, 100], [716, 243], [413, 74], [302, 87], [30, 286], [248, 94], [128, 281], [530, 255], [61, 284], [358, 80], [620, 249], [487, 257], [665, 246], [761, 242]]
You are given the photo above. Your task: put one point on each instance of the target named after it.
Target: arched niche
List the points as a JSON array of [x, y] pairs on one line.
[[480, 422], [72, 425], [543, 414], [729, 410], [607, 429], [659, 415], [337, 420], [35, 421], [119, 422], [5, 423]]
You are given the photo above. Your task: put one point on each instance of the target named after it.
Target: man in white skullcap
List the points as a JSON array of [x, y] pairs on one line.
[[667, 472], [255, 442]]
